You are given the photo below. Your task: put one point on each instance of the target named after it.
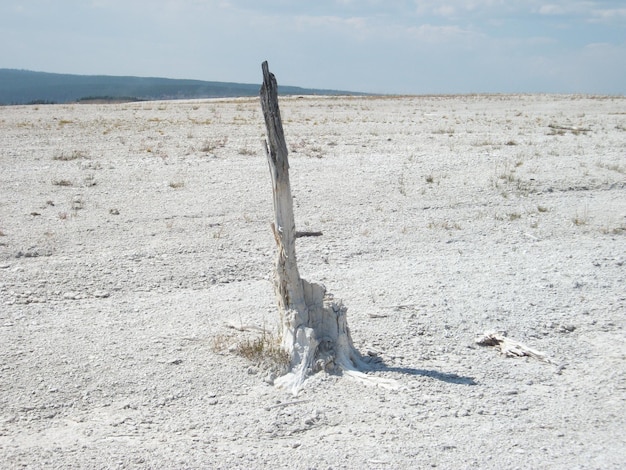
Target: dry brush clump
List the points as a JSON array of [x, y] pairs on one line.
[[444, 224], [613, 167], [246, 152], [70, 156], [263, 350], [210, 145], [618, 230], [581, 218], [506, 180], [308, 149]]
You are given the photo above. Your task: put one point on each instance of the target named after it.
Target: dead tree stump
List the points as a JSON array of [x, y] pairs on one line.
[[314, 327]]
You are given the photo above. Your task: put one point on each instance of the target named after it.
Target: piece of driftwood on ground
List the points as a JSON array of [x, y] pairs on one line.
[[509, 347]]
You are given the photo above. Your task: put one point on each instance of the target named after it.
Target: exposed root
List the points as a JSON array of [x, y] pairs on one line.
[[357, 373], [350, 365], [326, 344]]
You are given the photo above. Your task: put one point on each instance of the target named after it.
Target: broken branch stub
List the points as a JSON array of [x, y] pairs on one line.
[[314, 326]]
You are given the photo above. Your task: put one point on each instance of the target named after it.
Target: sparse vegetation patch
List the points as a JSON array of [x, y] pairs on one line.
[[69, 156], [210, 145], [263, 350]]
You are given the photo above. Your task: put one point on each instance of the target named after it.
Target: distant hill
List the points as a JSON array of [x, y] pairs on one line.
[[25, 86]]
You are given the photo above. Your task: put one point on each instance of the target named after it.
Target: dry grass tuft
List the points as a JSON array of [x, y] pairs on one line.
[[445, 225], [246, 151], [73, 155], [264, 350], [581, 219], [221, 343], [612, 167], [211, 145], [621, 230]]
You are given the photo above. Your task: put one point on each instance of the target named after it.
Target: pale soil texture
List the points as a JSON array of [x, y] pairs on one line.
[[131, 234]]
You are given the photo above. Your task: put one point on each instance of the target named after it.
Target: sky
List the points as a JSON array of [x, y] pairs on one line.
[[376, 46]]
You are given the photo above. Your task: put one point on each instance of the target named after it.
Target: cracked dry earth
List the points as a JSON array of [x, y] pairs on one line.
[[132, 233]]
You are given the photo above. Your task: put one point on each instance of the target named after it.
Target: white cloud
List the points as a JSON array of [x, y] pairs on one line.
[[585, 10], [457, 7], [609, 15], [551, 9], [431, 34], [331, 22], [445, 10]]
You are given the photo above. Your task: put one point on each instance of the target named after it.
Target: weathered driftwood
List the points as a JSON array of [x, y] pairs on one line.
[[573, 130], [314, 327], [509, 347]]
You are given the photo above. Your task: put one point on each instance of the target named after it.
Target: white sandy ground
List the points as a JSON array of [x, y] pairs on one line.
[[131, 233]]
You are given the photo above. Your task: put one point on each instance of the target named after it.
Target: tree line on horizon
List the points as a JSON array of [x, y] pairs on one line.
[[28, 87]]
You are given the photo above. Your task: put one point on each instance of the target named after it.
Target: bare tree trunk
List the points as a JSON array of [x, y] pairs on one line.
[[314, 326]]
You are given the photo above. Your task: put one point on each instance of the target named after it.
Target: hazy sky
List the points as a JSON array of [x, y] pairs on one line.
[[383, 46]]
